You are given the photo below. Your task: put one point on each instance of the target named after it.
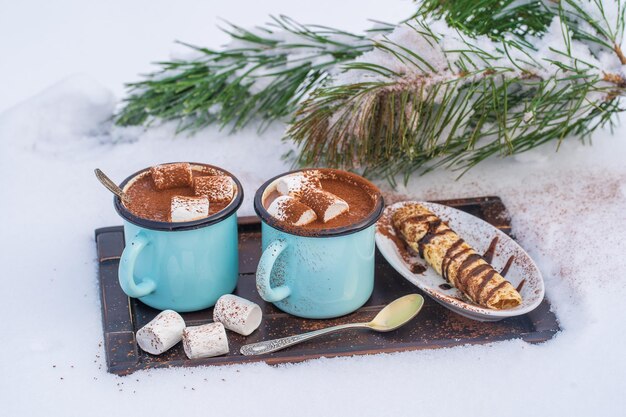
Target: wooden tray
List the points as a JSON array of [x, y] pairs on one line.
[[434, 327]]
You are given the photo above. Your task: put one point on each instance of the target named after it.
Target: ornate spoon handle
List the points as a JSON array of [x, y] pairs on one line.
[[270, 346], [111, 186]]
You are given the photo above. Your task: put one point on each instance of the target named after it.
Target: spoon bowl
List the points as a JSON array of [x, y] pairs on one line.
[[397, 313]]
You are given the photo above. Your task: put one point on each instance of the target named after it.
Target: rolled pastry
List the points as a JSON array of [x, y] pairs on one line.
[[163, 332], [205, 341], [289, 210], [326, 205], [218, 188], [237, 314], [172, 175], [455, 260]]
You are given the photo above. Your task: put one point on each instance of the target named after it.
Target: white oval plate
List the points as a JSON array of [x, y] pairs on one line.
[[479, 235]]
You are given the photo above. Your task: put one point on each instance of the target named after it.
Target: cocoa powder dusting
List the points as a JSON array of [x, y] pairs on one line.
[[358, 196], [172, 175], [217, 188], [148, 202], [292, 210], [316, 199]]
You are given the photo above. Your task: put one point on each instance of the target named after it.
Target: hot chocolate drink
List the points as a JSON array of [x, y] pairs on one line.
[[318, 241], [319, 199], [179, 192]]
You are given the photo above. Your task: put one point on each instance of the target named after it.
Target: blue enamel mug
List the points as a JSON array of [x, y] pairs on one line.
[[183, 266], [329, 273]]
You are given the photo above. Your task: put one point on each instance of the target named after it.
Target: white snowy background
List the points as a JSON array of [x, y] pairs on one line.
[[62, 67]]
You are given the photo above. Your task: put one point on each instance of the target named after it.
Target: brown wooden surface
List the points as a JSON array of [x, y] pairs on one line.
[[434, 327]]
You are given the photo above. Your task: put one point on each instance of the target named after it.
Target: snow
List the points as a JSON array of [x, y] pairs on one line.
[[568, 210]]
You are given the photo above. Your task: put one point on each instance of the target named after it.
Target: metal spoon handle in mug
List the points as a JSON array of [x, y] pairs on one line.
[[274, 345], [110, 185]]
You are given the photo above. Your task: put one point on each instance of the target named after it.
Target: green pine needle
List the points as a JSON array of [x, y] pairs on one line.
[[420, 121], [487, 103], [220, 87]]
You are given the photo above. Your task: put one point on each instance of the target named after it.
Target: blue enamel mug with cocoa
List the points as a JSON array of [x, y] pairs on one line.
[[325, 274], [182, 266]]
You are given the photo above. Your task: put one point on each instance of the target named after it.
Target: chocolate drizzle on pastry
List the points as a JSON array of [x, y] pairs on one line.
[[451, 259], [456, 261], [486, 279], [430, 235]]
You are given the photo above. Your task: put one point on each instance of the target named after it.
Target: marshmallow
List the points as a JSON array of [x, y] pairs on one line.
[[205, 341], [172, 175], [218, 189], [326, 205], [294, 183], [163, 332], [205, 170], [237, 314], [287, 209], [185, 209]]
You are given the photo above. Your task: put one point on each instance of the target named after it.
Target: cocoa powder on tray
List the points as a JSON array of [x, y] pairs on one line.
[[147, 202]]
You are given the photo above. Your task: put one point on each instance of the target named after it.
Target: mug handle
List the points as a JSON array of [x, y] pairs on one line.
[[127, 269], [264, 271]]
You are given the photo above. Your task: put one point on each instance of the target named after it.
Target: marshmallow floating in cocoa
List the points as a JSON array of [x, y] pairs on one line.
[[289, 210], [326, 205], [172, 175], [218, 188], [237, 314], [294, 183], [205, 341], [160, 334], [185, 209]]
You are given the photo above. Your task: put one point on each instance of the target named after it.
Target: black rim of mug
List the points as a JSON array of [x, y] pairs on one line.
[[267, 218], [172, 227]]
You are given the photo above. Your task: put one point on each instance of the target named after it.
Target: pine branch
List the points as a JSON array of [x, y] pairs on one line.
[[263, 73], [461, 81], [494, 18], [483, 98], [590, 22]]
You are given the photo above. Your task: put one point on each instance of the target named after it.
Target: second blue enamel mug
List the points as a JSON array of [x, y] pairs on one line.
[[326, 274]]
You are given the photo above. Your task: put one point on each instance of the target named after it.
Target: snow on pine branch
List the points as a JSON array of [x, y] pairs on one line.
[[426, 91], [262, 73], [433, 52], [284, 45], [596, 18]]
